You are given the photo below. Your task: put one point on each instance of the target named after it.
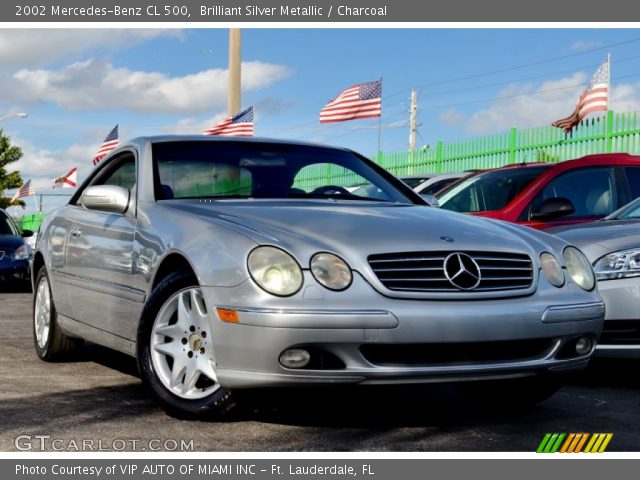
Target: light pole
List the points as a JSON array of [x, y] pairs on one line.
[[17, 114], [233, 100]]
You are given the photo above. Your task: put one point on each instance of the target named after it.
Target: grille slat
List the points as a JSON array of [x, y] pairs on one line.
[[424, 272]]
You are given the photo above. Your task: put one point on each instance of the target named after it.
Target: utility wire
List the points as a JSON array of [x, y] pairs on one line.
[[507, 82], [506, 97], [489, 73]]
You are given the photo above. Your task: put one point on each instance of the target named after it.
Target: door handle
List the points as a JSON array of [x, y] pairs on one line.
[[76, 232]]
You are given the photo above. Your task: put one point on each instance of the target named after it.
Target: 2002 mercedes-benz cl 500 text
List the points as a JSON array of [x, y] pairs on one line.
[[225, 264]]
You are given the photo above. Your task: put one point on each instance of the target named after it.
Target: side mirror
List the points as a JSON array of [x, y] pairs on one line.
[[553, 208], [106, 198], [26, 234], [430, 199]]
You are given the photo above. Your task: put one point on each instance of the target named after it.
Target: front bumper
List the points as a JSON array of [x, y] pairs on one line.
[[621, 334], [360, 336], [14, 271]]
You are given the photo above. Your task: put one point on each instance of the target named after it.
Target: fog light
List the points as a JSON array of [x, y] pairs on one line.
[[295, 358], [584, 345]]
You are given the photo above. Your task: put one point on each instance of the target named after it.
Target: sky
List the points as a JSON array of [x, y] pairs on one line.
[[76, 84]]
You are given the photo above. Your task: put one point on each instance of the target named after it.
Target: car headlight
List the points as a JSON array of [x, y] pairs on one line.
[[623, 264], [22, 252], [275, 271], [579, 268], [331, 271], [552, 269]]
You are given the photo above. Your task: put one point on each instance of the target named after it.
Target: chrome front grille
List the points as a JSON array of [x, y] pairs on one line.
[[425, 271]]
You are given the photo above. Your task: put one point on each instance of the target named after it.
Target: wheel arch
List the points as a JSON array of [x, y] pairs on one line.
[[172, 262], [38, 263]]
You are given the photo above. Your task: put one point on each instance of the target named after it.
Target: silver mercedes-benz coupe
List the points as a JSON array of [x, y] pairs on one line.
[[225, 264]]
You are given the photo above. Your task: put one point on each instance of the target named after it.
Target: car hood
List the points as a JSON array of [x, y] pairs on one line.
[[596, 239], [10, 242], [355, 228]]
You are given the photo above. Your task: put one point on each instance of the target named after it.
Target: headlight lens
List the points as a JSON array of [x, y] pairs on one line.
[[579, 268], [21, 253], [331, 271], [623, 264], [552, 269], [275, 271]]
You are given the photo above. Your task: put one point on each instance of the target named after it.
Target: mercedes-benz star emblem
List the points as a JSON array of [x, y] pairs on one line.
[[462, 271]]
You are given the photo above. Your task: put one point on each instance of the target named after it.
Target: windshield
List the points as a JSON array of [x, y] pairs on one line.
[[629, 212], [6, 228], [489, 191], [232, 170]]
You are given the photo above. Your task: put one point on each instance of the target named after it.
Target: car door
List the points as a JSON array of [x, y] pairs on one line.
[[591, 190], [99, 253]]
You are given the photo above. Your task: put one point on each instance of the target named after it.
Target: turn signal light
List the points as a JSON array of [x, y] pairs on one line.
[[227, 315]]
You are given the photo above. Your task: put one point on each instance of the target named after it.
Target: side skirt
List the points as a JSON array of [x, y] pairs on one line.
[[78, 329]]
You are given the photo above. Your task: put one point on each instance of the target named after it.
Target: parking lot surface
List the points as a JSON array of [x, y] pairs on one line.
[[98, 399]]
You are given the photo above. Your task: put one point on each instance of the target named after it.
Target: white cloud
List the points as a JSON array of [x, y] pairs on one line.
[[28, 48], [531, 106], [42, 165], [451, 117], [93, 84], [526, 105], [582, 45]]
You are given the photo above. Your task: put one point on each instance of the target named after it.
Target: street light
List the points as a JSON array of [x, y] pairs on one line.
[[18, 114]]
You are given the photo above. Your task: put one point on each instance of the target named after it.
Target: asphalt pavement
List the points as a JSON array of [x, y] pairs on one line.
[[97, 402]]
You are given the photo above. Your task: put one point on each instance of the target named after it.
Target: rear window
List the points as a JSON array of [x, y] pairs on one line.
[[413, 182], [437, 186], [489, 191]]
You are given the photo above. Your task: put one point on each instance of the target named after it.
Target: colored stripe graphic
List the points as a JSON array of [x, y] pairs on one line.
[[550, 443], [598, 442], [574, 442]]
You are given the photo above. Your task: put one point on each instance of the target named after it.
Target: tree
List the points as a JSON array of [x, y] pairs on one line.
[[8, 180]]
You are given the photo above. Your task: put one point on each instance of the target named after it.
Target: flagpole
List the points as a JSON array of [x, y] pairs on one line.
[[609, 79], [380, 122]]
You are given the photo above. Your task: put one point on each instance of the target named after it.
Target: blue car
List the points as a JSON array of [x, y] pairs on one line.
[[15, 254]]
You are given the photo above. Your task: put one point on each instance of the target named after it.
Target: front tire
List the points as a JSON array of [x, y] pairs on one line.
[[174, 350], [51, 343]]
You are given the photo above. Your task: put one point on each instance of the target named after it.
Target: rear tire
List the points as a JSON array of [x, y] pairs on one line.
[[174, 350], [51, 343]]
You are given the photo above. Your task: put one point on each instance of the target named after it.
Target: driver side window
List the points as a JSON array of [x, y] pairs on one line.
[[120, 172], [123, 173], [590, 190]]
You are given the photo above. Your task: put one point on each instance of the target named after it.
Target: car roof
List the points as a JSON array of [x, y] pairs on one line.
[[217, 138], [594, 159]]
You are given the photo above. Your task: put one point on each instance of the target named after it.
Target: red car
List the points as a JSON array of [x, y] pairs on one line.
[[544, 195]]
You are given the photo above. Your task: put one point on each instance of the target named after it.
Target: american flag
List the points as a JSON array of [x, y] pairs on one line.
[[70, 180], [593, 99], [359, 101], [239, 126], [26, 190], [109, 144]]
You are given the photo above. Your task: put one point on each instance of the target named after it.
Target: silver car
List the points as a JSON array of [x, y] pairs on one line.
[[227, 264], [613, 246]]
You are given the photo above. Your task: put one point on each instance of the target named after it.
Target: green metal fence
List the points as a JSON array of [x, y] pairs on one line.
[[614, 132], [31, 222]]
